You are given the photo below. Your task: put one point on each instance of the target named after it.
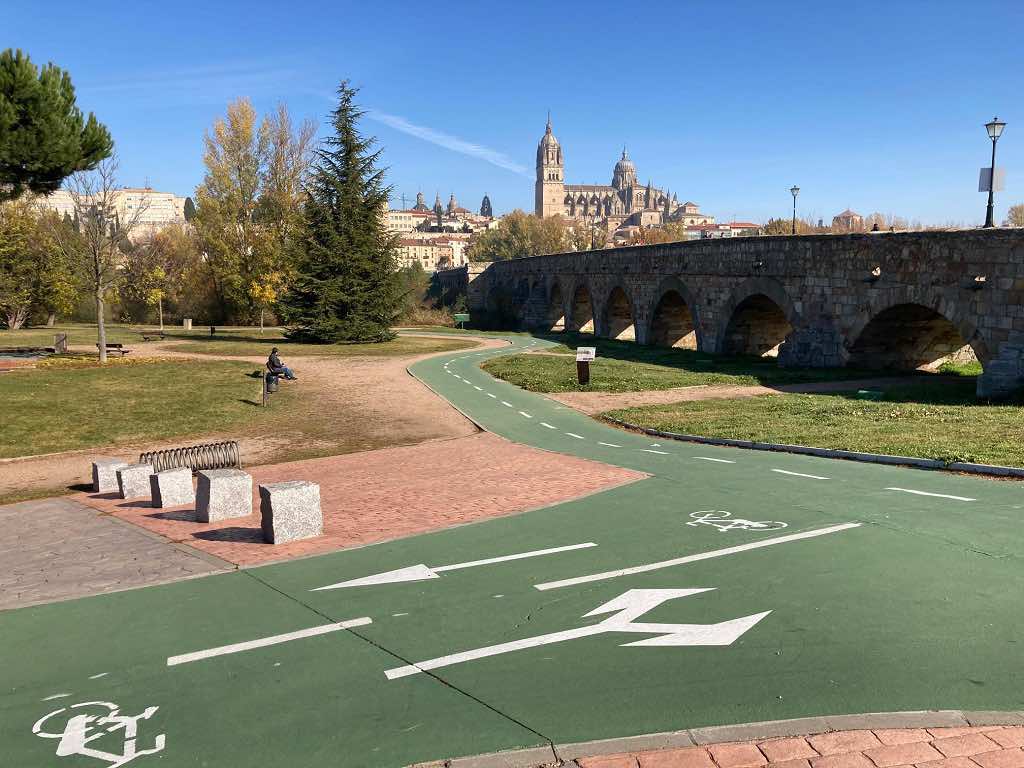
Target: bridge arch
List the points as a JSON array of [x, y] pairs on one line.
[[500, 305], [757, 319], [618, 315], [581, 308], [556, 313], [908, 331], [674, 320]]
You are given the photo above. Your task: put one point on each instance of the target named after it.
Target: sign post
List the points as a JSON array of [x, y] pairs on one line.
[[583, 357], [461, 319]]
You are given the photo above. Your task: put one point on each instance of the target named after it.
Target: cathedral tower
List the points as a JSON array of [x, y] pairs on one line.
[[550, 187]]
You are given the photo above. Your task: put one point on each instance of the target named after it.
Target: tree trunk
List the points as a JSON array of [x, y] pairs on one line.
[[16, 318], [51, 319], [160, 308], [101, 328]]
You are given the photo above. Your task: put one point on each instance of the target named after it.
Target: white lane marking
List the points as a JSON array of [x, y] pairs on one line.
[[421, 572], [490, 395], [467, 381], [610, 445], [624, 610], [524, 413], [507, 403], [708, 458], [262, 642], [97, 677], [478, 389], [655, 445], [800, 474], [651, 450], [694, 558], [549, 426], [937, 495], [57, 696], [573, 434], [399, 614]]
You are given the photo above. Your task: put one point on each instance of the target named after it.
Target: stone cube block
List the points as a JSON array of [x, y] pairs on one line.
[[222, 494], [290, 511], [104, 475], [172, 487], [133, 481]]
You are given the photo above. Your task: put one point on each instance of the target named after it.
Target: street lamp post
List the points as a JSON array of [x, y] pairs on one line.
[[794, 191], [995, 130]]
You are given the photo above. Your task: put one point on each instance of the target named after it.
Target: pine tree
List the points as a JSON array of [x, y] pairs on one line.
[[44, 137], [345, 286]]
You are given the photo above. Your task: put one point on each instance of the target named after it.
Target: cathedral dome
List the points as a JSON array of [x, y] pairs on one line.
[[625, 165]]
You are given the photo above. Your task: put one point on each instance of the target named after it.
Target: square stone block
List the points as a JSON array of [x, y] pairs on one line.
[[133, 481], [222, 494], [104, 475], [290, 511], [172, 487]]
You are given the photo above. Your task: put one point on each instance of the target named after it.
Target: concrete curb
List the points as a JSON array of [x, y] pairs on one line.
[[566, 754], [829, 453]]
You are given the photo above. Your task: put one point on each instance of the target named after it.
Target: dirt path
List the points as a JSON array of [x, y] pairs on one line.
[[599, 402], [352, 404]]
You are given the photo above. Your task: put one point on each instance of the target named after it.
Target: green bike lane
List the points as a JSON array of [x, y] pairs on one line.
[[917, 607]]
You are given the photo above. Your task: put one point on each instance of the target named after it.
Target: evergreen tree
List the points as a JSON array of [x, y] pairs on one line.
[[43, 136], [345, 286]]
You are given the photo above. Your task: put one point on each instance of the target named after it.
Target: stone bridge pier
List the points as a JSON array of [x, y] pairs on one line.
[[908, 300]]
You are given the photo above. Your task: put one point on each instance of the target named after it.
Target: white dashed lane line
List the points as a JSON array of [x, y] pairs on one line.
[[490, 395], [478, 389], [708, 458], [610, 445], [651, 450], [573, 434], [800, 474], [506, 403], [936, 495], [549, 426], [524, 413]]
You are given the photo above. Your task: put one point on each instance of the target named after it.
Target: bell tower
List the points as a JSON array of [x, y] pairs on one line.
[[550, 187]]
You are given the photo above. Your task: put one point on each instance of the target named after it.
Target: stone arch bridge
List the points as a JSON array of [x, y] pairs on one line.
[[885, 300]]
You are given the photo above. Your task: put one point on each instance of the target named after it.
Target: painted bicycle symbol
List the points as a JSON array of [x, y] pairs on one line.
[[98, 720], [723, 521]]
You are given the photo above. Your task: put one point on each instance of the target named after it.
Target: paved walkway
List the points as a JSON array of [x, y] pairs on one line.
[[386, 494], [56, 549], [970, 747]]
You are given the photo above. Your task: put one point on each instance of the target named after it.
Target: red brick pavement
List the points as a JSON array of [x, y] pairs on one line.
[[980, 747], [390, 493]]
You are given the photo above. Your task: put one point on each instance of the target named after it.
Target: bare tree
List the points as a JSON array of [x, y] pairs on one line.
[[103, 230]]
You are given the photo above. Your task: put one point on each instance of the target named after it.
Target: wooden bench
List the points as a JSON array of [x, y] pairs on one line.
[[119, 348], [150, 335]]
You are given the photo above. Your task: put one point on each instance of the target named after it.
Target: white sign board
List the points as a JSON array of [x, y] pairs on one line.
[[985, 177], [585, 354]]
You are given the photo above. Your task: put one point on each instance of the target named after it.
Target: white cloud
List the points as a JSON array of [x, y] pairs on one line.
[[447, 141]]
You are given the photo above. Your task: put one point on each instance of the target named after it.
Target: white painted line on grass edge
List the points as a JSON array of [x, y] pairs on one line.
[[708, 458], [800, 474], [262, 642], [937, 495], [694, 558]]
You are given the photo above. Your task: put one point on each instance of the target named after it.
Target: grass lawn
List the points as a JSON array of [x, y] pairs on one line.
[[627, 367], [932, 420], [61, 409], [79, 334]]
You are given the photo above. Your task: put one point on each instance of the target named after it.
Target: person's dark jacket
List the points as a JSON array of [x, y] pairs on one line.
[[274, 363]]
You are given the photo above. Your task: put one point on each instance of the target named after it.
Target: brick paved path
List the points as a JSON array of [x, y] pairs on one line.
[[57, 548], [968, 747], [390, 493]]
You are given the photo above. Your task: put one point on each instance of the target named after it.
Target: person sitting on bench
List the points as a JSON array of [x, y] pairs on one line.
[[276, 367]]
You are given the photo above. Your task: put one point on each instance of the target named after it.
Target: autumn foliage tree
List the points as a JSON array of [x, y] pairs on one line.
[[520, 234]]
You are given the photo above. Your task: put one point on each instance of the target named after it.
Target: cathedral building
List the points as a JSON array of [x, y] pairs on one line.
[[625, 202]]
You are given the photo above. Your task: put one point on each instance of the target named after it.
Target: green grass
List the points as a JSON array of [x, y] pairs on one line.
[[247, 343], [60, 409], [79, 334], [932, 420], [627, 367]]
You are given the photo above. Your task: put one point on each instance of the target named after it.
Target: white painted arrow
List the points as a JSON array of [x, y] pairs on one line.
[[422, 572], [626, 607]]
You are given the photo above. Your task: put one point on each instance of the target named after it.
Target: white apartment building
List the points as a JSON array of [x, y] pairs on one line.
[[152, 210]]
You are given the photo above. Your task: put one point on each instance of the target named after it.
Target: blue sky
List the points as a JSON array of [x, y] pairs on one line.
[[876, 106]]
